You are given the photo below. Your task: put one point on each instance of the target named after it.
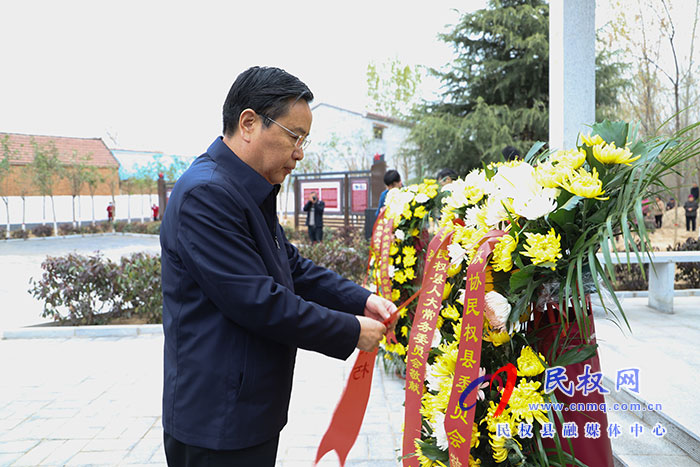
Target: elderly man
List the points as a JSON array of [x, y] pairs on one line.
[[238, 299]]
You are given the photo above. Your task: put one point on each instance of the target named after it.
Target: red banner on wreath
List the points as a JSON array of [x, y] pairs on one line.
[[347, 418], [458, 422], [422, 332]]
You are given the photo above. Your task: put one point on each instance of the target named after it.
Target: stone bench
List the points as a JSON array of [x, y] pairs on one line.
[[661, 276]]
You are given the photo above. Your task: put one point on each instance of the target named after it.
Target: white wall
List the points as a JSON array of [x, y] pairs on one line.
[[34, 208]]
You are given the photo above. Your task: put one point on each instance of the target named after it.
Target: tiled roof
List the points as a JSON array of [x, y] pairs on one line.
[[95, 147]]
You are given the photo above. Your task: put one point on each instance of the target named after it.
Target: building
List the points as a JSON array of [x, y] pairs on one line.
[[22, 150], [349, 140]]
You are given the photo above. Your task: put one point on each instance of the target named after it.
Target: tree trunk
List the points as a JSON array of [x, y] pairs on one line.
[[93, 209], [43, 209], [80, 212], [53, 210], [24, 226], [142, 211], [73, 206], [7, 210], [128, 208]]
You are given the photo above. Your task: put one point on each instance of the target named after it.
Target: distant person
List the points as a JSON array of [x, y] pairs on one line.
[[155, 210], [392, 179], [695, 191], [446, 176], [691, 213], [314, 217], [510, 153], [657, 210], [671, 203], [110, 212]]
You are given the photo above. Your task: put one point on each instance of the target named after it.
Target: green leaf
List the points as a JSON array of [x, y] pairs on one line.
[[612, 132], [520, 279], [577, 354]]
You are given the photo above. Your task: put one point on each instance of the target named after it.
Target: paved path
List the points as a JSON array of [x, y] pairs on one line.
[[21, 260], [97, 401]]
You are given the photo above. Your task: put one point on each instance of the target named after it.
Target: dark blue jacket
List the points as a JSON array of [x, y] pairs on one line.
[[238, 300]]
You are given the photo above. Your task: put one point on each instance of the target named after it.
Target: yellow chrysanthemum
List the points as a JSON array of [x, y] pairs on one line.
[[414, 232], [404, 331], [528, 362], [551, 176], [420, 212], [454, 269], [450, 312], [409, 273], [425, 461], [591, 141], [407, 212], [397, 260], [497, 338], [475, 436], [408, 251], [544, 249], [394, 248], [609, 154], [409, 261], [446, 292], [502, 258], [525, 396], [474, 462], [395, 295], [572, 158], [400, 277], [584, 184]]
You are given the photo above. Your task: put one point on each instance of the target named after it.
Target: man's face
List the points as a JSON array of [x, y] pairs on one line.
[[275, 146]]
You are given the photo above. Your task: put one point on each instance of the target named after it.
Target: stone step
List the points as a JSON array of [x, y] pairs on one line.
[[677, 447]]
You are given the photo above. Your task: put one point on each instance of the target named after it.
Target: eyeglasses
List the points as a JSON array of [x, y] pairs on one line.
[[302, 142]]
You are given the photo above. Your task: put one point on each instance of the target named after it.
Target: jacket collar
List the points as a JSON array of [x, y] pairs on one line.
[[240, 172]]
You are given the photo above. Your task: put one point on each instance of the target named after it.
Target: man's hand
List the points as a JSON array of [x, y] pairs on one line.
[[380, 309], [371, 333]]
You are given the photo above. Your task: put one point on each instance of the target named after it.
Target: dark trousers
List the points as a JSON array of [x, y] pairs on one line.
[[690, 222], [659, 220], [184, 455], [315, 233]]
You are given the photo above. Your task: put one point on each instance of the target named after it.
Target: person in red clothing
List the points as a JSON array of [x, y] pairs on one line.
[[155, 210], [110, 212]]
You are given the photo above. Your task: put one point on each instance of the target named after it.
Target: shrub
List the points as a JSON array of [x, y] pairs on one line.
[[42, 231], [19, 233], [76, 289], [80, 289], [346, 253], [67, 229], [153, 228], [632, 278], [687, 274]]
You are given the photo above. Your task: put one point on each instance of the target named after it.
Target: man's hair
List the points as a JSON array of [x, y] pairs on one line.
[[266, 90], [510, 153], [391, 176], [447, 173]]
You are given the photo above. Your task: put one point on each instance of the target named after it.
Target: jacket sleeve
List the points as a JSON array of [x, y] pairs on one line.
[[307, 206], [325, 287], [217, 249], [320, 206]]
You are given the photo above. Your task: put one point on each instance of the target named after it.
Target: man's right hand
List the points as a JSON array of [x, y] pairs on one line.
[[371, 332]]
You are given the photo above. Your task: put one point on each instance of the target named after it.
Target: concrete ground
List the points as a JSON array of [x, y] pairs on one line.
[[96, 400]]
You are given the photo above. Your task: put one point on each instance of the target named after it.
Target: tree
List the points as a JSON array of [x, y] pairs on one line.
[[24, 181], [76, 172], [93, 178], [7, 156], [496, 90], [47, 170]]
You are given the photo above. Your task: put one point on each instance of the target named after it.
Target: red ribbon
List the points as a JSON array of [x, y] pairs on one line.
[[458, 422], [422, 332], [350, 411]]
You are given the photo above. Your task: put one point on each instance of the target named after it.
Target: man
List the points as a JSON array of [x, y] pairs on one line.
[[446, 176], [238, 300], [392, 179], [691, 213], [314, 217]]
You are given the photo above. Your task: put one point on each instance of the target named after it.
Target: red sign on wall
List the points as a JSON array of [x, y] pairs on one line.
[[359, 192]]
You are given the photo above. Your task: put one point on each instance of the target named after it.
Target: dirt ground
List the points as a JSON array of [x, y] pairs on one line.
[[669, 234]]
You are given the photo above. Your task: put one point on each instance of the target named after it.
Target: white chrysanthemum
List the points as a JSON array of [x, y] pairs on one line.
[[432, 380], [516, 181], [456, 253], [373, 287], [392, 270], [422, 198], [437, 339], [536, 206], [458, 197], [495, 211], [439, 432], [473, 215], [496, 309], [400, 235], [395, 201]]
